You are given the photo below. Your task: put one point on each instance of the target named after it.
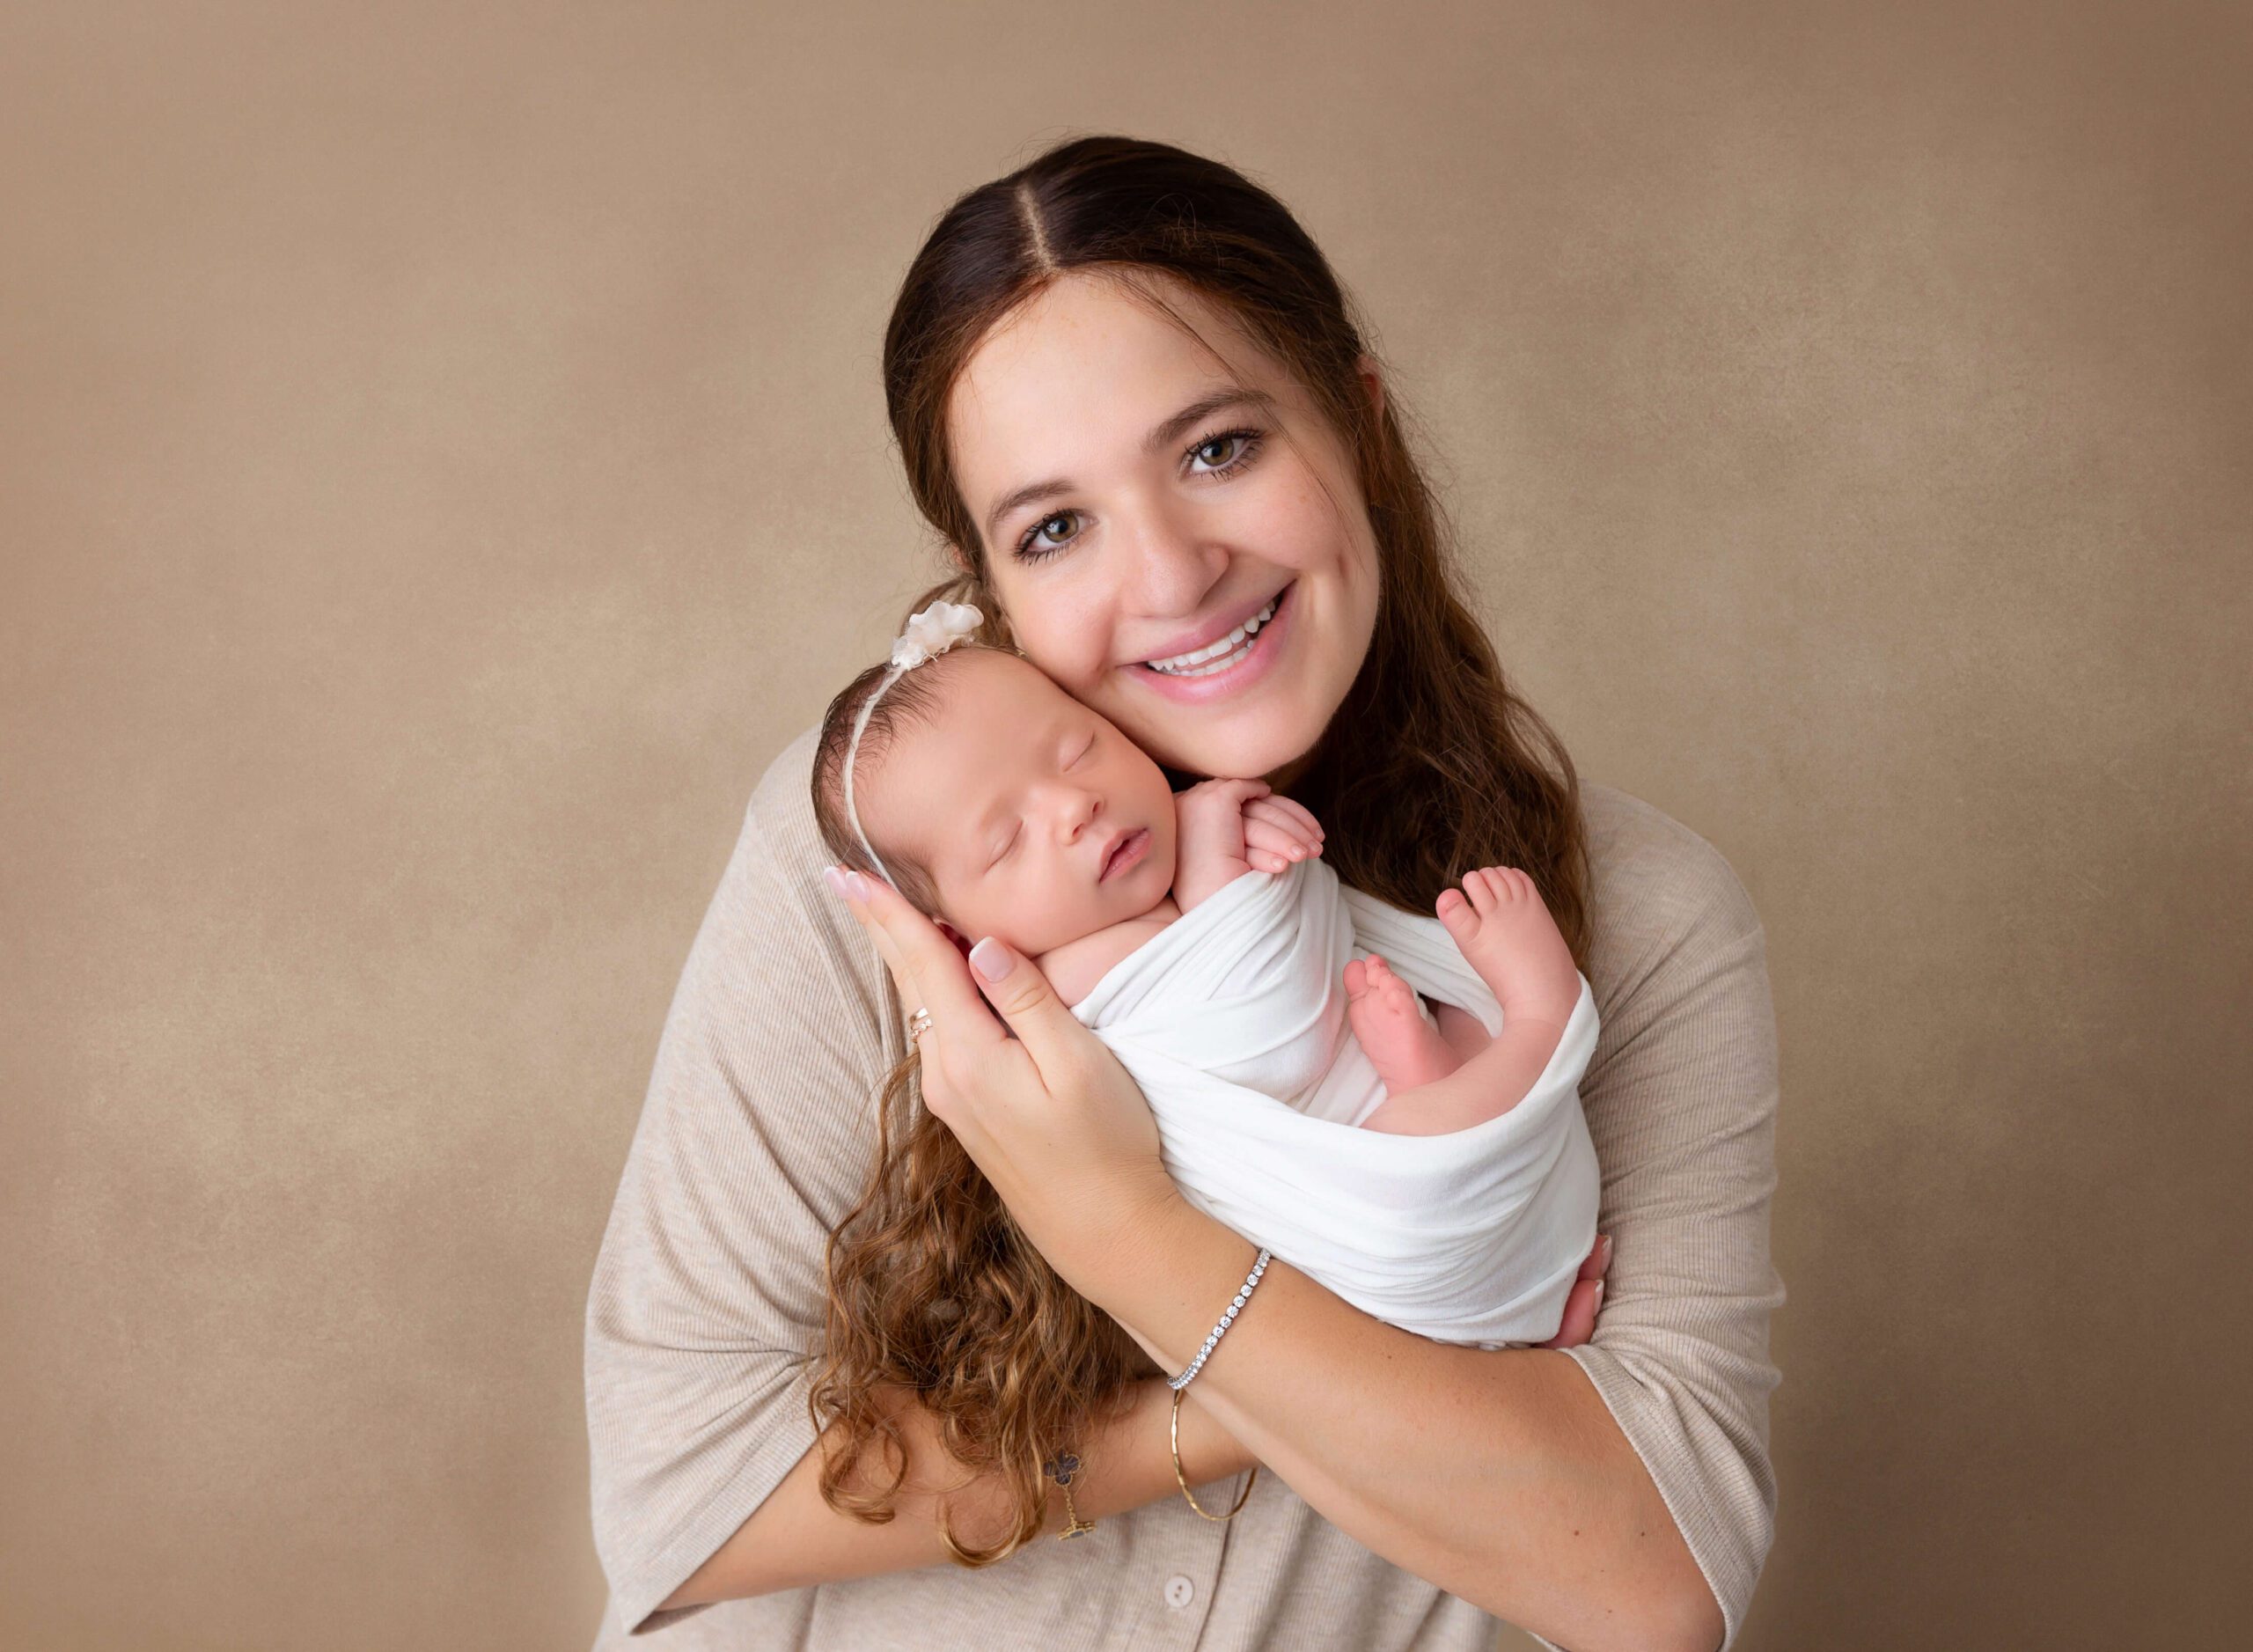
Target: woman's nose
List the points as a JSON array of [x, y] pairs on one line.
[[1175, 565]]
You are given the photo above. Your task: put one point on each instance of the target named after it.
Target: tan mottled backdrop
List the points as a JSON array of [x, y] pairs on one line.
[[441, 461]]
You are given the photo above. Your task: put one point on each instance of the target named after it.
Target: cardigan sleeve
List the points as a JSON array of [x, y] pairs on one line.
[[754, 1140], [1681, 1101]]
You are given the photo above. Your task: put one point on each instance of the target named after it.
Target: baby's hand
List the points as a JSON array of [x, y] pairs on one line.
[[1227, 827], [1277, 831]]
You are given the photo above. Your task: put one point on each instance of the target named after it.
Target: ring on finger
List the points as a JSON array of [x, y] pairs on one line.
[[918, 1025]]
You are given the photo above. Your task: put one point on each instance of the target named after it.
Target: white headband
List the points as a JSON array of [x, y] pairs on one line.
[[930, 633]]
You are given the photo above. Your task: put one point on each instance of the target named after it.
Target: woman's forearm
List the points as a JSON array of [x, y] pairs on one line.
[[1500, 1476], [794, 1538]]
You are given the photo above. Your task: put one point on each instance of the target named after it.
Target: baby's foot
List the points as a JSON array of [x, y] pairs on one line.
[[1506, 932], [1406, 1048]]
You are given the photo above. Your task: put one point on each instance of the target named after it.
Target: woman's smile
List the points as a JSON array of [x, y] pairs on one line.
[[1239, 658]]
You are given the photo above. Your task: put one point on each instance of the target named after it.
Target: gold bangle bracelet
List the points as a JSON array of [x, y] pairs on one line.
[[1241, 1497]]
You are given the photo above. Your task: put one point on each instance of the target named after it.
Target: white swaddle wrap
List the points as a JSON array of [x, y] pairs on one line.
[[1232, 1019]]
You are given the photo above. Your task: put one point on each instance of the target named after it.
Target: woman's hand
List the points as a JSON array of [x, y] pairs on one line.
[[1586, 1296], [1050, 1116]]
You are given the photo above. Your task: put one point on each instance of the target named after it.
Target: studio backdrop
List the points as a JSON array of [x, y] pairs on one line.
[[442, 462]]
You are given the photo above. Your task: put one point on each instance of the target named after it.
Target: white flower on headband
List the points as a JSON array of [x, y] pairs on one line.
[[933, 632]]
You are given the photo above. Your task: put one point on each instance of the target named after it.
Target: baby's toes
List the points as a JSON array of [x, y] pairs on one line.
[[1378, 999], [1388, 991], [1459, 917], [1480, 886]]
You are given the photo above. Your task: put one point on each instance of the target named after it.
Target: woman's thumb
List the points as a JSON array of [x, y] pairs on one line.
[[1003, 979], [1020, 994]]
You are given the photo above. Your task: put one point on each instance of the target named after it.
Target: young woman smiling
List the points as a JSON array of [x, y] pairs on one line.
[[1130, 395]]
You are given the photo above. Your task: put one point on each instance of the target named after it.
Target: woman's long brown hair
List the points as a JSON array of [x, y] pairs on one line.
[[1432, 766]]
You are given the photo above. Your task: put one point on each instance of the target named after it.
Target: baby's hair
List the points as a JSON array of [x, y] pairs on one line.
[[911, 700]]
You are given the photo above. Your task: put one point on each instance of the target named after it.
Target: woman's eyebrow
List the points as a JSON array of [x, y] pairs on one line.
[[1174, 429], [1025, 496], [1164, 436]]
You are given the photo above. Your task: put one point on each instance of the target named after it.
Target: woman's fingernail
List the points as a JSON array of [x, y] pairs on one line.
[[856, 887], [1606, 1260], [1598, 1303], [991, 959], [834, 878]]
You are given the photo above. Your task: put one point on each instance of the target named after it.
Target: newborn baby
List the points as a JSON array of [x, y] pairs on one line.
[[1201, 937], [1001, 806]]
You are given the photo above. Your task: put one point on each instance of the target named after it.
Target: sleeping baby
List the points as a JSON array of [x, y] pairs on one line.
[[1429, 1165]]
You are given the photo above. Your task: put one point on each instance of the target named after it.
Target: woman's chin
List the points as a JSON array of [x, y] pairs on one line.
[[1274, 729], [1250, 756]]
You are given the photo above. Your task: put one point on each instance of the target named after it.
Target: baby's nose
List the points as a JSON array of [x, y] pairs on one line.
[[1077, 808]]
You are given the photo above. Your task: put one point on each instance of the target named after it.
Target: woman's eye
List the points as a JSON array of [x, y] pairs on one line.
[[1223, 453], [1048, 536]]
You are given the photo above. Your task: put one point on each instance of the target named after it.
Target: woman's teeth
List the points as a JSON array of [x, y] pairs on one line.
[[1216, 657]]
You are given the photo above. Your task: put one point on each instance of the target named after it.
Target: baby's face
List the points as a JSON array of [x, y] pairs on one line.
[[1037, 820]]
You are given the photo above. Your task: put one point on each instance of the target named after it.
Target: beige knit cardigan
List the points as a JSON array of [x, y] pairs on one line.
[[757, 1131]]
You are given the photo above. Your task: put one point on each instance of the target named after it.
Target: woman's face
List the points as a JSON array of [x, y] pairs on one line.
[[1175, 531]]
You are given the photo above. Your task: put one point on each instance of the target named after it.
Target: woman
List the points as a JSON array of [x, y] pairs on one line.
[[1128, 393]]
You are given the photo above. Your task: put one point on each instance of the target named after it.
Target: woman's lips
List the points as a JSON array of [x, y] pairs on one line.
[[1266, 647], [1130, 849]]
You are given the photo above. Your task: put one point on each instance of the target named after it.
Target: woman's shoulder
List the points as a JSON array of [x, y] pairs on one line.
[[779, 815], [770, 903], [1667, 911], [774, 870], [1648, 872], [779, 1011]]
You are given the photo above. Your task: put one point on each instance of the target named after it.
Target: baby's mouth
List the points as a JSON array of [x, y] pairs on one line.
[[1125, 853]]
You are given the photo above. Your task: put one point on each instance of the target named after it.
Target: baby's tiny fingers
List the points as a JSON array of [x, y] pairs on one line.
[[1265, 835], [1282, 830], [1304, 815], [1287, 815]]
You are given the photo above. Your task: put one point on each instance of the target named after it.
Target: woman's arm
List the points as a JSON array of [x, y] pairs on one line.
[[796, 1538], [1528, 1487], [1498, 1476]]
